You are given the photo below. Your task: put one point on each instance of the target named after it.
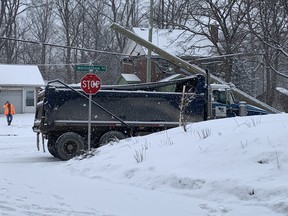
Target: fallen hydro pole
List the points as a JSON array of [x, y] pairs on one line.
[[190, 68]]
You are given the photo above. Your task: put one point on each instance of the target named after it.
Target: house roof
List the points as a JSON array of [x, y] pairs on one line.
[[20, 75], [131, 77], [175, 41]]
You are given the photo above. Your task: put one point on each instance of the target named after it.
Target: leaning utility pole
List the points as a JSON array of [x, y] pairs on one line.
[[190, 68]]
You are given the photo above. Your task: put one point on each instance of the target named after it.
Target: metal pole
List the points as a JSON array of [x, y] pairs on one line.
[[89, 122], [209, 95], [148, 71], [181, 119]]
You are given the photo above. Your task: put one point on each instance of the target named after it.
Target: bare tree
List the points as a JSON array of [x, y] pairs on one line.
[[9, 9], [100, 16], [128, 13], [171, 14], [268, 25], [228, 18], [96, 34], [255, 29], [71, 15], [79, 23], [39, 26], [221, 22]]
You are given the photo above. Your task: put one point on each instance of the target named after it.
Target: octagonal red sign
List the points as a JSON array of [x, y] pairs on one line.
[[90, 83]]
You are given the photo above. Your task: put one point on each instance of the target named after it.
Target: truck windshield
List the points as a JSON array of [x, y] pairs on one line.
[[219, 96], [223, 96]]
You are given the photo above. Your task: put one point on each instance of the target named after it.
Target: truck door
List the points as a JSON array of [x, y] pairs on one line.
[[219, 104], [222, 103]]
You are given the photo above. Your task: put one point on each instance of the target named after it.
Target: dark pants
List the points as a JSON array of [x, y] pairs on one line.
[[9, 118]]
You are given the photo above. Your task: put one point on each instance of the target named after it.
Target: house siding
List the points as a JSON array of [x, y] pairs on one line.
[[138, 66], [14, 97]]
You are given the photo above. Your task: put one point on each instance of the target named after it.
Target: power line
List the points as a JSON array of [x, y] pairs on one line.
[[62, 46]]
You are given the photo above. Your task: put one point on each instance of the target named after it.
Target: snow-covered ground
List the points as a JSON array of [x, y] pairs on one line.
[[233, 167]]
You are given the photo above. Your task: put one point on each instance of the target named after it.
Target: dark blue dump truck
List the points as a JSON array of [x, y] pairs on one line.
[[122, 111]]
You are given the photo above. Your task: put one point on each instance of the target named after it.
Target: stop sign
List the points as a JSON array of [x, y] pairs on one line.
[[90, 83]]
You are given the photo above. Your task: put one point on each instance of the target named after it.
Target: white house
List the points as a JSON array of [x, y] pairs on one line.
[[19, 85]]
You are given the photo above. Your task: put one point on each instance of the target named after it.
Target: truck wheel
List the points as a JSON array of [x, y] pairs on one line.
[[69, 145], [110, 136], [51, 147]]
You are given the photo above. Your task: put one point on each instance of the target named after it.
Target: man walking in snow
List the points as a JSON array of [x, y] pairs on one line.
[[9, 111]]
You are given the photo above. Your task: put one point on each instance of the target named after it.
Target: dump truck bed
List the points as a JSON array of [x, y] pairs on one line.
[[138, 108]]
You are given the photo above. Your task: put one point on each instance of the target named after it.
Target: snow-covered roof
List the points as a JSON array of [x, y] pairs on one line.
[[20, 75], [220, 87], [131, 77], [175, 41]]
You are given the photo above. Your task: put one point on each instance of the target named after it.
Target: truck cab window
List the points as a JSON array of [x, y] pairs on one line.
[[219, 96]]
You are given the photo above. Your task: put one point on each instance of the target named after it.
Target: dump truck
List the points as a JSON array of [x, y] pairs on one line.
[[122, 111]]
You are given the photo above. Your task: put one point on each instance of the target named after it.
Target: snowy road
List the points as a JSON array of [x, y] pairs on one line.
[[34, 183], [235, 171]]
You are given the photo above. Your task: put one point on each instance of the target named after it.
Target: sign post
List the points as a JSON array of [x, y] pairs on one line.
[[90, 84]]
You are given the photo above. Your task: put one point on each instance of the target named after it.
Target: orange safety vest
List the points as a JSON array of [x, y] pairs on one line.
[[9, 109]]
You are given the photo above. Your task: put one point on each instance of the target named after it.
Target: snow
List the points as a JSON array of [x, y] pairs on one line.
[[174, 41], [282, 90], [236, 166], [174, 76], [130, 77], [20, 75]]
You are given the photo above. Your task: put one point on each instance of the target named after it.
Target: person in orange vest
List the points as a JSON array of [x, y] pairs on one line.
[[9, 111]]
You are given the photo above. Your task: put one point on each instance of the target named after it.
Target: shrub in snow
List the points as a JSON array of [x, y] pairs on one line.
[[141, 154], [204, 133]]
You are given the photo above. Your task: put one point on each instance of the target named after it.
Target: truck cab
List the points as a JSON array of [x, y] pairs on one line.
[[224, 103]]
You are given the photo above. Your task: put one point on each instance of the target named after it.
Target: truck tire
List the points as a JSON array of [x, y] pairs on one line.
[[51, 147], [69, 145], [110, 136]]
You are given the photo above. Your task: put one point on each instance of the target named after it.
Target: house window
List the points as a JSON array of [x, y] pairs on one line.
[[29, 97]]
